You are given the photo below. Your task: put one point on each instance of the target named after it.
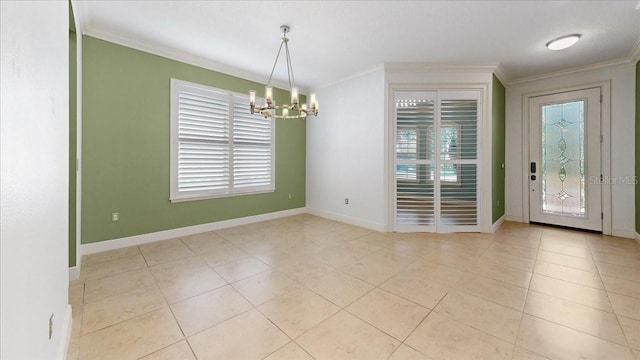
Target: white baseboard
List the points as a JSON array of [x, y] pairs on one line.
[[74, 273], [513, 218], [637, 237], [348, 219], [106, 245], [624, 233], [496, 225], [66, 334]]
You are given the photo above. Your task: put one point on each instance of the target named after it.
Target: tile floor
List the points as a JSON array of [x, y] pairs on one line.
[[305, 287]]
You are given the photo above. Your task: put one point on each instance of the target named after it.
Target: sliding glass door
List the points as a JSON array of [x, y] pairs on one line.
[[436, 160]]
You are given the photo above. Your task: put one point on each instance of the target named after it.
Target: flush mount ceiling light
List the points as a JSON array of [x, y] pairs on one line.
[[563, 42], [269, 109]]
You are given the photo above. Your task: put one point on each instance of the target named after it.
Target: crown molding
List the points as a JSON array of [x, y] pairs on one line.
[[500, 74], [351, 77], [420, 66], [76, 16], [185, 57], [572, 71]]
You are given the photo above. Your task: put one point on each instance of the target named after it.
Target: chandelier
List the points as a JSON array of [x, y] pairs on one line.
[[269, 108]]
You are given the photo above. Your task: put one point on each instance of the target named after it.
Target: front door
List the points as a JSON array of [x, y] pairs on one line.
[[564, 170]]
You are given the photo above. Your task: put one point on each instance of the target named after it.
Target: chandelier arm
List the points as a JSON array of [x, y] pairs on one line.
[[292, 79], [275, 63]]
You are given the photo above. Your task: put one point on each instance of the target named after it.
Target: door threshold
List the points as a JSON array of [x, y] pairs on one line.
[[566, 227]]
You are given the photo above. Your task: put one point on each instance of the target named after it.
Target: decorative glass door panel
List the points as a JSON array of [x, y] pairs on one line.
[[562, 162], [565, 155], [436, 147]]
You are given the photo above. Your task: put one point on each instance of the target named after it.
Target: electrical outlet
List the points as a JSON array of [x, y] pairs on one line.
[[115, 217], [50, 326], [346, 201], [498, 203], [290, 197]]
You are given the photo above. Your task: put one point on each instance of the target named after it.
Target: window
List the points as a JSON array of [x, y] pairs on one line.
[[449, 150], [218, 148], [407, 149]]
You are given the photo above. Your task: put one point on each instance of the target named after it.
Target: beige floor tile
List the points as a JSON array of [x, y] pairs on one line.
[[584, 295], [636, 353], [247, 336], [241, 269], [621, 286], [263, 287], [516, 262], [305, 270], [76, 292], [389, 313], [298, 311], [291, 351], [406, 353], [493, 290], [159, 245], [558, 342], [110, 255], [223, 255], [113, 267], [619, 271], [178, 268], [190, 284], [177, 351], [523, 354], [73, 351], [621, 257], [631, 330], [432, 272], [337, 256], [374, 269], [160, 255], [502, 249], [625, 305], [451, 258], [566, 260], [502, 273], [98, 289], [497, 320], [205, 242], [112, 310], [565, 273], [133, 338], [339, 288], [205, 310], [344, 336], [412, 286], [583, 318], [442, 337]]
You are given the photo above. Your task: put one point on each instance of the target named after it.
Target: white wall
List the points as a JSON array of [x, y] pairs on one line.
[[622, 78], [346, 144], [34, 149], [345, 152]]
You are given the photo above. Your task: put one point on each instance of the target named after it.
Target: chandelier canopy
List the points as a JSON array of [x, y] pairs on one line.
[[269, 108]]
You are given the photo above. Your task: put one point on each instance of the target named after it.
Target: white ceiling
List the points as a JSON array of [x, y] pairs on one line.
[[331, 40]]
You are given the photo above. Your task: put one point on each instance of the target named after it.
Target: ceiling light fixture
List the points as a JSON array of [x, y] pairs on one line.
[[563, 42], [269, 109]]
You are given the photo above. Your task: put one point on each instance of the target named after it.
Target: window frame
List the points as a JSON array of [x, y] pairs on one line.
[[233, 98]]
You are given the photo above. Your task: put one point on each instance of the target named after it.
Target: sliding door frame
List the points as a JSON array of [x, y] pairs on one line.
[[484, 148]]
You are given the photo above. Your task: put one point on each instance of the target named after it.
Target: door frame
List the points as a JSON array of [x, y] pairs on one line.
[[484, 150], [605, 159]]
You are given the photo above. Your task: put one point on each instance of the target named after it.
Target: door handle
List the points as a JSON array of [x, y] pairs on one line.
[[533, 168]]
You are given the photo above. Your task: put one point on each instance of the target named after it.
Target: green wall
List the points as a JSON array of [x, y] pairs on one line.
[[125, 154], [497, 149], [72, 140], [637, 146]]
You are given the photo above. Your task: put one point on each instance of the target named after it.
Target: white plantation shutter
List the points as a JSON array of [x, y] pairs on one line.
[[252, 150], [218, 147]]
